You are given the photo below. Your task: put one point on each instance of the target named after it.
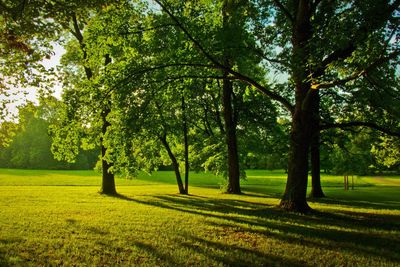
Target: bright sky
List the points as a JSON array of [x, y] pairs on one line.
[[30, 93]]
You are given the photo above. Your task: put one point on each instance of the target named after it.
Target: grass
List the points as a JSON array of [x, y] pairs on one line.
[[58, 218]]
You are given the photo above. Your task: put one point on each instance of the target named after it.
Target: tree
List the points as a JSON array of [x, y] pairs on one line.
[[387, 151], [29, 144], [316, 53], [88, 96]]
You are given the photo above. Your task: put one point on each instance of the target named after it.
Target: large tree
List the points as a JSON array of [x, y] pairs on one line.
[[300, 36]]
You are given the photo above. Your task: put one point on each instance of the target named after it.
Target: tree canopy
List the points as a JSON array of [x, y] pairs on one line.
[[219, 85]]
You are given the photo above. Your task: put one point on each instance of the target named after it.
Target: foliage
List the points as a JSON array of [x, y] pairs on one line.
[[387, 151], [29, 145], [129, 65]]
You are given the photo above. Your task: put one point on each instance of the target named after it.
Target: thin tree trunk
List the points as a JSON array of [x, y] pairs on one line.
[[108, 179], [175, 164], [186, 145], [316, 189]]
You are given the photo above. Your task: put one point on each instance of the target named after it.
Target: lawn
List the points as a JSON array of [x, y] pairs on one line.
[[58, 218]]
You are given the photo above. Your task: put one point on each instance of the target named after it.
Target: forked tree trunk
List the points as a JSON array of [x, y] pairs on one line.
[[175, 164]]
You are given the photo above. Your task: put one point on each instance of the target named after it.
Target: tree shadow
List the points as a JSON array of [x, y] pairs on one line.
[[376, 204], [216, 251], [355, 232], [164, 258], [4, 260]]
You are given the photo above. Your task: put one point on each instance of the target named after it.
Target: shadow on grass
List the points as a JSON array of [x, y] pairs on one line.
[[376, 204], [359, 233], [5, 254], [217, 251], [153, 250]]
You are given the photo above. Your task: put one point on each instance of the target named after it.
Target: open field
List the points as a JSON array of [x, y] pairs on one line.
[[58, 218]]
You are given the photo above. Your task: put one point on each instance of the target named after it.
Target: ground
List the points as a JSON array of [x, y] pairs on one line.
[[58, 218]]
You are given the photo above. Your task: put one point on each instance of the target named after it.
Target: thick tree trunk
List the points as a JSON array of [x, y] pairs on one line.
[[108, 180], [175, 164], [186, 145], [229, 115], [231, 139], [316, 189], [294, 198]]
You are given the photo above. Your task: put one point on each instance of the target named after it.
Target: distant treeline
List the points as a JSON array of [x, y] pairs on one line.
[[27, 144]]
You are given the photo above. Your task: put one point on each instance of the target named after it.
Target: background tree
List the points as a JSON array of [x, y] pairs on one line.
[[29, 145], [89, 95]]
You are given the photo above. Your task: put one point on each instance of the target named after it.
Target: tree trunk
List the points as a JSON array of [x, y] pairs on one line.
[[231, 140], [108, 180], [175, 164], [186, 145], [229, 117], [316, 189], [294, 198]]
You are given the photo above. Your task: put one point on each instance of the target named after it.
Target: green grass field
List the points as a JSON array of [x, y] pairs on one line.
[[52, 218]]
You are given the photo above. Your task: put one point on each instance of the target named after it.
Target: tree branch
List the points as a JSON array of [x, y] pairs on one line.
[[315, 5], [335, 56], [343, 81], [147, 29], [357, 74], [273, 60], [78, 35], [343, 53], [218, 65], [284, 10], [159, 67], [371, 125], [76, 32]]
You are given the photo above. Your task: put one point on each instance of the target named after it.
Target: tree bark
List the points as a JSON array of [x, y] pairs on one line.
[[175, 164], [108, 179], [231, 139], [229, 116], [294, 198], [316, 189]]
